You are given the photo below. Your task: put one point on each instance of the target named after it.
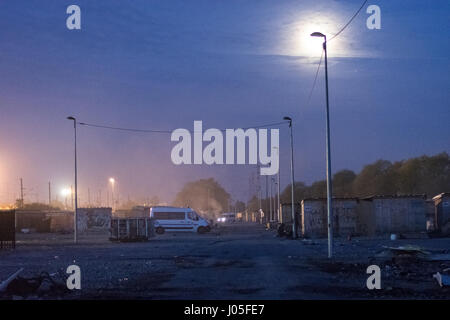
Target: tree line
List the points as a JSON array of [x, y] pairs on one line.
[[428, 175]]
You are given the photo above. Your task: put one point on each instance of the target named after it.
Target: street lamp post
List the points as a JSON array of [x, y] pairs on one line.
[[294, 222], [329, 182], [278, 189], [270, 200], [274, 212], [75, 226], [112, 181], [278, 194]]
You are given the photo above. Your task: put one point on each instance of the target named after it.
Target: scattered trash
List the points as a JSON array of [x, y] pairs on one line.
[[5, 283], [409, 249], [409, 252], [42, 284], [439, 257], [403, 252], [442, 279]]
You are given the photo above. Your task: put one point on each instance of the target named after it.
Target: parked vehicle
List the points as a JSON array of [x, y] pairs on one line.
[[229, 217], [178, 219]]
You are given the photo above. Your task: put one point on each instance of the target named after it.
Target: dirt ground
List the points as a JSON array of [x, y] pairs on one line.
[[238, 261]]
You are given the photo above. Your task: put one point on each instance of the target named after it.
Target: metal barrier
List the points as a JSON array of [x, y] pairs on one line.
[[131, 229]]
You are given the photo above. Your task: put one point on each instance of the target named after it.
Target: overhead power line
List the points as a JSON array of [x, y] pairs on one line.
[[337, 34], [266, 125], [122, 129], [350, 21], [315, 79]]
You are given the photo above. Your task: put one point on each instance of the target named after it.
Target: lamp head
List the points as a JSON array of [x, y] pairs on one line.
[[318, 34]]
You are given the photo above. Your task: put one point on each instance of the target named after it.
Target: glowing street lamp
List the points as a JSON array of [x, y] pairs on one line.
[[112, 181], [65, 193], [329, 191]]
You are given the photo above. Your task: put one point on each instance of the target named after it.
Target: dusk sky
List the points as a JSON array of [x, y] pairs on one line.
[[163, 64]]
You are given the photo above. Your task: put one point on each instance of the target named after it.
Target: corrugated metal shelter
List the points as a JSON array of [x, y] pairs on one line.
[[314, 220], [96, 217], [442, 212], [430, 216], [35, 220], [286, 212], [135, 212], [60, 221], [87, 218], [392, 214], [7, 229]]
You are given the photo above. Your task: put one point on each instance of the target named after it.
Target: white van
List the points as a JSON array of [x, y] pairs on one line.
[[178, 219], [227, 217]]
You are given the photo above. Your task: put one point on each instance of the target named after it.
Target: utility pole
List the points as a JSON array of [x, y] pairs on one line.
[[207, 203], [71, 197], [49, 194], [267, 198], [259, 189], [21, 193], [75, 213], [89, 197], [294, 222], [278, 202], [270, 201], [273, 191]]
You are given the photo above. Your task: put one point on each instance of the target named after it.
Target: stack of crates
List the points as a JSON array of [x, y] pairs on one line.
[[131, 229]]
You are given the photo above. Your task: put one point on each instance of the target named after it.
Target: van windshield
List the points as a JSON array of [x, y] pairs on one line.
[[193, 215]]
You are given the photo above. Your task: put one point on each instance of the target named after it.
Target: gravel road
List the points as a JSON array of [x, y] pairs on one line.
[[238, 261]]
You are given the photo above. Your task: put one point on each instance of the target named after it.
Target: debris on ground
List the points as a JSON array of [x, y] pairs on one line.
[[409, 253], [402, 254], [308, 242], [408, 249], [442, 279], [40, 285], [4, 284], [439, 257]]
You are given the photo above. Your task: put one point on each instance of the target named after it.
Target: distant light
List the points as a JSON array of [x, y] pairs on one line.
[[112, 180], [66, 191]]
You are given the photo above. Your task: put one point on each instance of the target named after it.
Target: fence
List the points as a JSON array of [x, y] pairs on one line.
[[131, 229], [7, 228]]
